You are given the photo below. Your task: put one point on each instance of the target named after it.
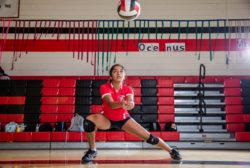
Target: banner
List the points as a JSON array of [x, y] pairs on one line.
[[9, 8], [181, 45]]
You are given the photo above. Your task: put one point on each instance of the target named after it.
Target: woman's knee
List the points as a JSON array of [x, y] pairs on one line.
[[98, 121], [89, 126], [93, 117]]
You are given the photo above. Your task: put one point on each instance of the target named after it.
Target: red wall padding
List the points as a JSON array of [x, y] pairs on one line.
[[115, 136], [76, 137], [232, 91], [66, 92], [50, 91], [235, 118], [96, 109], [232, 83], [137, 91], [165, 91], [12, 100], [66, 108], [233, 100], [58, 136], [234, 109], [6, 118], [41, 137], [49, 108], [70, 83], [170, 136], [166, 109], [134, 82], [101, 136], [137, 100], [165, 83], [242, 136], [6, 137], [51, 118], [163, 118], [129, 137], [22, 136], [51, 83], [236, 127], [165, 100]]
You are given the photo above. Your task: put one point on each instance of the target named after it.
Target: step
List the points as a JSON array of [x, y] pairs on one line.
[[197, 122], [195, 93], [195, 102], [206, 136], [206, 128], [196, 113], [184, 85], [218, 122], [197, 109], [205, 131], [197, 118], [196, 105]]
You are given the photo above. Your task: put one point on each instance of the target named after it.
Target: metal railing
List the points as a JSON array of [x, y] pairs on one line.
[[201, 93]]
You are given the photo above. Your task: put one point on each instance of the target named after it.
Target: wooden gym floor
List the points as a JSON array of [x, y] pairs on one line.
[[125, 159]]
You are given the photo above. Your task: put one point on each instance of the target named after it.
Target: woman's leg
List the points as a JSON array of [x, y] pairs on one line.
[[100, 122], [91, 124], [132, 127]]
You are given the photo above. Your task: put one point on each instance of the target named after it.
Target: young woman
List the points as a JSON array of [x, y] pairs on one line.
[[117, 99]]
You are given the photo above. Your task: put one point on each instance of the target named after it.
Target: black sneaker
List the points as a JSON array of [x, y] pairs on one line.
[[89, 156], [175, 154]]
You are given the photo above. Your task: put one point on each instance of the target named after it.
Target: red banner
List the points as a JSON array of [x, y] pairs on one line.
[[119, 45]]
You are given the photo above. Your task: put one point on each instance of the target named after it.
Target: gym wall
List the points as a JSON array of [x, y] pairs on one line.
[[64, 38]]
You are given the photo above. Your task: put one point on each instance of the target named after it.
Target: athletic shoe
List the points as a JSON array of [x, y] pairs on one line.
[[89, 156], [175, 154]]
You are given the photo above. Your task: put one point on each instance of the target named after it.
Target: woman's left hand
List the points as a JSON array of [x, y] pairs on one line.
[[129, 105]]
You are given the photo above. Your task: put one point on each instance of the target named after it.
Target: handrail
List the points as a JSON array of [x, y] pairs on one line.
[[202, 71], [201, 93]]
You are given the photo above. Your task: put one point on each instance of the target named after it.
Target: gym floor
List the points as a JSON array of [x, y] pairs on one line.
[[125, 158]]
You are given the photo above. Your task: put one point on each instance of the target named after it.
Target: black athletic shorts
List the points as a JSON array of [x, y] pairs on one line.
[[118, 124]]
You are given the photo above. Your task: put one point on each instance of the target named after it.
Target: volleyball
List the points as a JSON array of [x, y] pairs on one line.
[[128, 9]]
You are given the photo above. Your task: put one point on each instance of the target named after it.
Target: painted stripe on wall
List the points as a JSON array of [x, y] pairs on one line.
[[115, 45]]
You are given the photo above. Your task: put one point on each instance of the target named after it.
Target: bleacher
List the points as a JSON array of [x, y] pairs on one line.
[[158, 100], [237, 101]]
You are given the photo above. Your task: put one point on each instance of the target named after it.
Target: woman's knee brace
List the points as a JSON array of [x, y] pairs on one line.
[[88, 126], [153, 140]]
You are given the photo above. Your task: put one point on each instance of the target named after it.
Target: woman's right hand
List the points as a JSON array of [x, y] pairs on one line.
[[127, 105]]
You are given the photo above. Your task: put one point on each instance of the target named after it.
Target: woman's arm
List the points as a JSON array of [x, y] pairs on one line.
[[114, 105], [129, 105]]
